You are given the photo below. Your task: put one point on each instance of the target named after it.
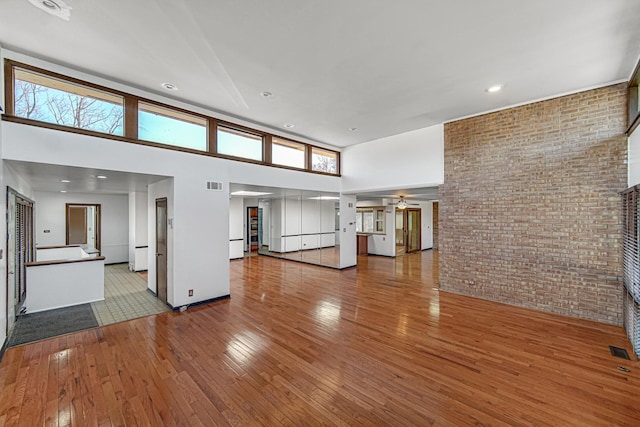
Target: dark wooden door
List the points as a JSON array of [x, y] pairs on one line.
[[413, 233], [77, 225], [161, 249]]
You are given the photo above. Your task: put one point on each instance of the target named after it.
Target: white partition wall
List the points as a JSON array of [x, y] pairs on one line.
[[138, 232], [236, 228]]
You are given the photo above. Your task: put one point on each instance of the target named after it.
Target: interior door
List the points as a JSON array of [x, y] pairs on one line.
[[76, 225], [161, 249], [84, 224], [413, 230]]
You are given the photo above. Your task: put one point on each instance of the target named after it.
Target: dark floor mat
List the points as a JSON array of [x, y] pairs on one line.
[[51, 323]]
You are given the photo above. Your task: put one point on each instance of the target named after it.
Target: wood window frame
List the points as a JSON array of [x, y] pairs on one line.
[[633, 109], [130, 126]]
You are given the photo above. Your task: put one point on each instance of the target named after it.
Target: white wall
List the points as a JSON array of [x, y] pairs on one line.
[[159, 190], [138, 232], [426, 216], [265, 205], [236, 228], [347, 231], [409, 160], [114, 213], [201, 240], [633, 163]]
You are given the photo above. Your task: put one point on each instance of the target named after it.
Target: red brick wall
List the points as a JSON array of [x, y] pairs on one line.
[[530, 211]]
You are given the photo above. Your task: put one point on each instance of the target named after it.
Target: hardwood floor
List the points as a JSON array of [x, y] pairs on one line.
[[304, 345]]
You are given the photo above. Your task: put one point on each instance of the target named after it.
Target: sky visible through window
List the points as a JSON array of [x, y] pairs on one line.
[[46, 104], [234, 144], [50, 99], [168, 130]]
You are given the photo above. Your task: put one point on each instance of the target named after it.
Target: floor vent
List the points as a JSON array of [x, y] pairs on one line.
[[619, 352], [212, 185]]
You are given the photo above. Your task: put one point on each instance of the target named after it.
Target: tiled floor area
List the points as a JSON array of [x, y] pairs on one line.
[[125, 297]]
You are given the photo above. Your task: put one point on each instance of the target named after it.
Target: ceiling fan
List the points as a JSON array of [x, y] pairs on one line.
[[402, 203]]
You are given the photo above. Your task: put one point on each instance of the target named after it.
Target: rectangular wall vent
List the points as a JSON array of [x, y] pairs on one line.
[[215, 186], [619, 352]]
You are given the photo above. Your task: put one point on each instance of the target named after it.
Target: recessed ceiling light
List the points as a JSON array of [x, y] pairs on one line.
[[64, 180], [353, 129], [63, 191], [169, 86], [54, 7], [494, 89], [289, 125], [101, 177], [266, 94]]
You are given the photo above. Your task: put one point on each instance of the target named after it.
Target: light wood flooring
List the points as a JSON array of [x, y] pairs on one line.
[[303, 345]]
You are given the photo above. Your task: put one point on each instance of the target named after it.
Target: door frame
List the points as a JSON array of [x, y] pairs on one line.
[[405, 229], [98, 222], [162, 296], [31, 253], [406, 224]]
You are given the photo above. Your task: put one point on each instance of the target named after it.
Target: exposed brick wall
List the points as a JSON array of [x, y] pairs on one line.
[[530, 211]]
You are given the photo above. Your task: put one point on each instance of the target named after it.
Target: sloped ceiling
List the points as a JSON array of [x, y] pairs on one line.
[[381, 67]]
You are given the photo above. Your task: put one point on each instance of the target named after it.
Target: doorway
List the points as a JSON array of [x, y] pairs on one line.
[[161, 249], [408, 231], [253, 229], [83, 224], [20, 250]]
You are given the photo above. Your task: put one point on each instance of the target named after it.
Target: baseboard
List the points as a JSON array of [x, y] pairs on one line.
[[152, 292], [199, 303], [305, 262]]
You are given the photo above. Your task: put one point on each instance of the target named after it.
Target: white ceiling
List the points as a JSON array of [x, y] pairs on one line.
[[382, 67], [46, 177]]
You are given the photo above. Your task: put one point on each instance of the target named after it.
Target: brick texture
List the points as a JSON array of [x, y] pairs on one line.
[[530, 213]]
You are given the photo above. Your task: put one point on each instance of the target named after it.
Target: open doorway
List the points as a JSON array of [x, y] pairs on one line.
[[83, 224], [408, 230]]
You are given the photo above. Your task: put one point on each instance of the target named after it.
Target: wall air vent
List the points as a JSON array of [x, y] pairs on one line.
[[215, 186]]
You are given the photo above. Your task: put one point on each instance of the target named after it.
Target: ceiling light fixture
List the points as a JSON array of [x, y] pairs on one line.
[[249, 193], [289, 125], [494, 89], [353, 129], [266, 94], [54, 7], [65, 181], [402, 204], [169, 86], [101, 177], [63, 191]]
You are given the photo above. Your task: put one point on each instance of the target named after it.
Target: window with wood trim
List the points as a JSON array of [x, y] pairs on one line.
[[288, 153], [168, 126], [43, 98], [239, 143], [51, 100], [324, 160], [370, 220]]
